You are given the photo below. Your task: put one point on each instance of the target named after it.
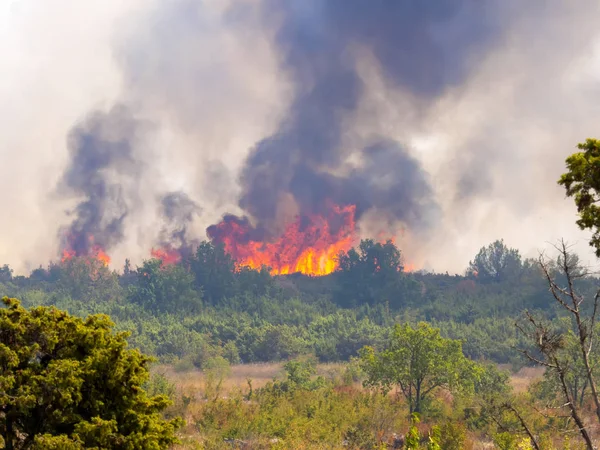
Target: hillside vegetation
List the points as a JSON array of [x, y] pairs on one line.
[[369, 357]]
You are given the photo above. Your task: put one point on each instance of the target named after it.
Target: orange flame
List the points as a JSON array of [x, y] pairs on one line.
[[410, 267], [308, 245], [101, 255], [168, 256], [95, 252], [68, 254]]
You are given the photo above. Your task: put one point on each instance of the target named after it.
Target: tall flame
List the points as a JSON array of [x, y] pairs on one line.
[[101, 255], [309, 245]]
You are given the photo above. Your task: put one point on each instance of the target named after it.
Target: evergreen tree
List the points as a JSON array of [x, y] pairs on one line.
[[69, 383]]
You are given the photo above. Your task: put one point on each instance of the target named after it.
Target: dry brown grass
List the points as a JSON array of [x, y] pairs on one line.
[[521, 380], [262, 373], [195, 380]]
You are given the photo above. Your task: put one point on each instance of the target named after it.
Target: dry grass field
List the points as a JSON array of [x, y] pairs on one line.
[[523, 378], [195, 380], [260, 374], [193, 383]]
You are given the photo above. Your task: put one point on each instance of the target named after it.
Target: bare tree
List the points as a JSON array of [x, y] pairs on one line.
[[571, 300], [550, 343]]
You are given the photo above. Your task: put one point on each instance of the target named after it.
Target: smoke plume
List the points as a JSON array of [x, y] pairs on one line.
[[102, 166], [447, 120], [179, 211], [413, 43]]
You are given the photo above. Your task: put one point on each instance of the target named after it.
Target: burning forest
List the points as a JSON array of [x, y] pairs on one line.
[[101, 164], [310, 244], [378, 106], [82, 245], [310, 187]]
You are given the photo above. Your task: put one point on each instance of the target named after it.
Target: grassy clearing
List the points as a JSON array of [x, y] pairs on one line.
[[224, 415], [262, 373]]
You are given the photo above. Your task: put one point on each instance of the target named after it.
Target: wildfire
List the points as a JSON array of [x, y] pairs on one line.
[[68, 254], [410, 267], [100, 255], [309, 245], [168, 256], [92, 251], [382, 238], [96, 253]]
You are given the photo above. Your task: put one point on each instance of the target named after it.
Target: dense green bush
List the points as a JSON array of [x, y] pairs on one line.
[[204, 307]]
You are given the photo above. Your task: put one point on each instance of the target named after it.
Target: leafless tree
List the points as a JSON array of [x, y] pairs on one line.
[[549, 342], [571, 300]]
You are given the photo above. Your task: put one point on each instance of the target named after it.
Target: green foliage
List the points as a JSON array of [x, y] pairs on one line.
[[6, 274], [492, 391], [548, 388], [496, 263], [582, 181], [231, 353], [213, 270], [486, 338], [252, 316], [419, 361], [300, 419], [159, 384], [373, 274], [165, 288], [300, 375], [505, 441], [435, 438], [413, 438], [86, 278], [206, 313], [300, 372], [508, 441], [184, 364], [73, 383], [452, 436], [359, 437], [352, 373], [217, 367], [492, 382]]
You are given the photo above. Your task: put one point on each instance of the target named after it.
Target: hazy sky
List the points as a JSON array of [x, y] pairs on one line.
[[209, 80]]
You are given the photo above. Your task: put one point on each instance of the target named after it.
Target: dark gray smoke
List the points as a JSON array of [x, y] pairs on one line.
[[403, 107], [101, 158], [421, 46], [388, 180], [178, 210]]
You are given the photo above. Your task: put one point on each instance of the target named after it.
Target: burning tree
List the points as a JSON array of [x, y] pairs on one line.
[[309, 245]]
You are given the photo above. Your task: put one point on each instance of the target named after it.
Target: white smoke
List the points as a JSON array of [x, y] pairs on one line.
[[212, 85]]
